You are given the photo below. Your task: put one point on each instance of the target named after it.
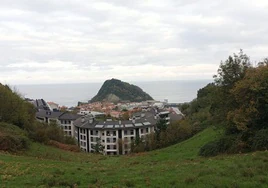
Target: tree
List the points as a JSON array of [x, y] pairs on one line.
[[98, 147], [251, 96], [125, 115], [161, 126], [14, 110], [232, 70], [229, 72]]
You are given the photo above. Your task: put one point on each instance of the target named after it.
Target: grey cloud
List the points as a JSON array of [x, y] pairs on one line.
[[129, 33]]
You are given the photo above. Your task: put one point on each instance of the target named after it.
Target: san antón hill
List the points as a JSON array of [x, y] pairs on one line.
[[115, 90]]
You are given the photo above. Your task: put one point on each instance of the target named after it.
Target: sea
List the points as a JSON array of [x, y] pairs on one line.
[[69, 94]]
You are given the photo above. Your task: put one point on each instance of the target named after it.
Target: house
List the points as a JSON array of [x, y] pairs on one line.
[[63, 119], [53, 106], [66, 121], [48, 116]]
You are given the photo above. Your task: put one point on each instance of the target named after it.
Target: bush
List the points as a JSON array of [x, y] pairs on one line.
[[43, 133], [216, 147], [260, 140], [12, 138]]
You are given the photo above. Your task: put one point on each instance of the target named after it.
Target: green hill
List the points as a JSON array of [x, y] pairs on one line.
[[115, 90], [175, 166]]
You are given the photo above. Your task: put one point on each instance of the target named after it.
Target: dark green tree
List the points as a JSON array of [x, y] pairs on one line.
[[98, 147]]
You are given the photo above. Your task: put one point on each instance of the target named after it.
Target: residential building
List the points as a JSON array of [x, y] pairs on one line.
[[66, 121], [63, 119], [114, 136]]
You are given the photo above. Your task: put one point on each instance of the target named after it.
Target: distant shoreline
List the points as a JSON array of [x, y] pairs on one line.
[[69, 94]]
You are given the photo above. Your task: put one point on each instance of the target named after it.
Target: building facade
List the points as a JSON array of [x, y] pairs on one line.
[[113, 137], [64, 119]]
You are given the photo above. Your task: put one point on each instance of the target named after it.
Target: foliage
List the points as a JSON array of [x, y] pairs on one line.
[[14, 110], [98, 147], [164, 136], [125, 115], [123, 90], [43, 133], [216, 147], [239, 101], [232, 70], [12, 138], [260, 140], [251, 96]]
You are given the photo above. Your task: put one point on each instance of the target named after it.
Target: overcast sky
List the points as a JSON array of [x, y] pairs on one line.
[[71, 41]]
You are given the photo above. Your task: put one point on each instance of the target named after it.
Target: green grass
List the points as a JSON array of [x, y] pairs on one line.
[[175, 166]]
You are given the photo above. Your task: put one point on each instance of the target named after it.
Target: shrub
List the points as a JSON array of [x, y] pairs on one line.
[[12, 138], [216, 147], [260, 140]]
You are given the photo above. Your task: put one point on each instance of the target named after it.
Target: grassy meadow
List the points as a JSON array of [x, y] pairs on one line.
[[175, 166]]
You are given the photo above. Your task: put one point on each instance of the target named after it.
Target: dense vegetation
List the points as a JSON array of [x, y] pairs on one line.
[[115, 90], [165, 135], [236, 101], [18, 126]]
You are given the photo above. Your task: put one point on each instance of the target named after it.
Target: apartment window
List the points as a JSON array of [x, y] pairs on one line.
[[108, 146], [131, 132], [70, 133], [103, 141], [81, 137], [91, 139], [103, 134], [108, 133], [125, 132], [147, 130], [114, 133], [91, 132], [108, 140], [70, 127], [141, 131], [114, 140]]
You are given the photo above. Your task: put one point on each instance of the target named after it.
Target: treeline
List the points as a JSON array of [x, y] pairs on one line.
[[165, 135], [18, 126], [237, 101]]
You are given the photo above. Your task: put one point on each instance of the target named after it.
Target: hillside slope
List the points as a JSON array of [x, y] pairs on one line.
[[115, 90], [175, 166]]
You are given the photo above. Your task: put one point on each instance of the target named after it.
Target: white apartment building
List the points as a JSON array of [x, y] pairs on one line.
[[114, 136], [64, 119]]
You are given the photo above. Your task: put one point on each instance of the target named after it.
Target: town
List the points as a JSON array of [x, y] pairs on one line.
[[107, 127]]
